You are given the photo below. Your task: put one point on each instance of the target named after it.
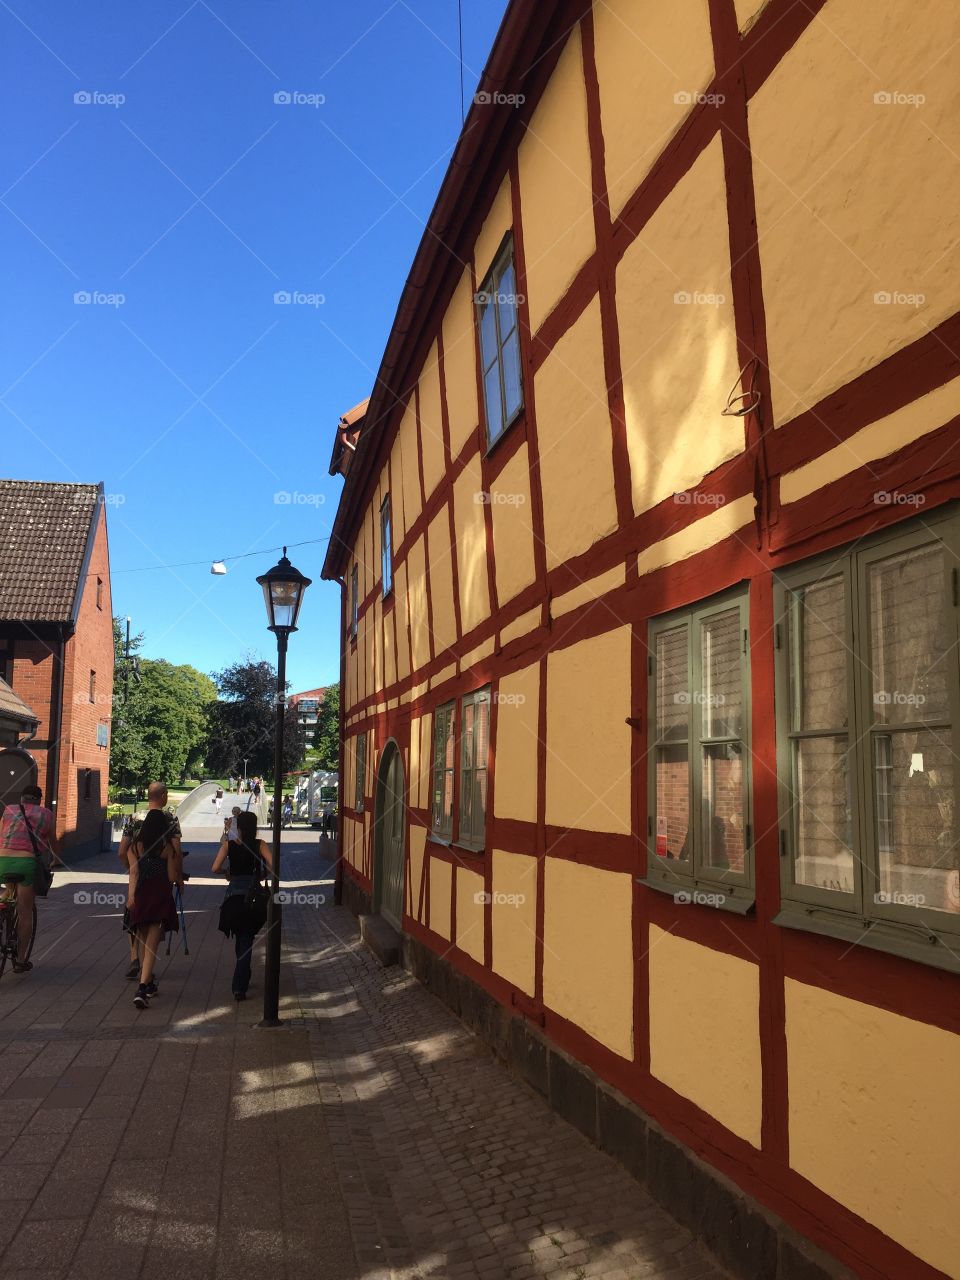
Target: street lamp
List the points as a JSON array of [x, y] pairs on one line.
[[283, 591]]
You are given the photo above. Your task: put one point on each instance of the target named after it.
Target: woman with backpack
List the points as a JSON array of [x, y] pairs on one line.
[[156, 866], [244, 910], [27, 832]]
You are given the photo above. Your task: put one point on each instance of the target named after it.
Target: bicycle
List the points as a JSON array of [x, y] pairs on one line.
[[9, 932]]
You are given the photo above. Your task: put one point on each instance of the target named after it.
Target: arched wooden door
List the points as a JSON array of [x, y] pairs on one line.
[[389, 837]]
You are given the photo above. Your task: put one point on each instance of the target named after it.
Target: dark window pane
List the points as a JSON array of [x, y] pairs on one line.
[[673, 803], [818, 655], [909, 637], [673, 685], [914, 792], [721, 696], [822, 820]]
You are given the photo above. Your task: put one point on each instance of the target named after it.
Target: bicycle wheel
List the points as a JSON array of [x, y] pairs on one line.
[[33, 935], [8, 934]]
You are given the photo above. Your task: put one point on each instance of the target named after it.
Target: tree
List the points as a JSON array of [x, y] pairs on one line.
[[326, 735], [242, 723], [126, 744]]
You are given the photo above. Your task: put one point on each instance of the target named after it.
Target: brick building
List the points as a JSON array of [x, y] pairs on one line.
[[307, 705], [56, 642]]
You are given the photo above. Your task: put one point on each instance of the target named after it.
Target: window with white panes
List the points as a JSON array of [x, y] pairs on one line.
[[498, 318]]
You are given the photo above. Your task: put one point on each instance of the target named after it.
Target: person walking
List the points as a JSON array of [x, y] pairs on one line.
[[242, 914], [27, 832], [232, 829], [157, 796], [155, 867], [218, 799]]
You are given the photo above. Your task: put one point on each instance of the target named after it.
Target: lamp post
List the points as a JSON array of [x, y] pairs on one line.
[[283, 590]]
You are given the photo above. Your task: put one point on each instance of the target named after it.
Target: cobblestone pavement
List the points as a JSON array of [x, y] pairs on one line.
[[372, 1137]]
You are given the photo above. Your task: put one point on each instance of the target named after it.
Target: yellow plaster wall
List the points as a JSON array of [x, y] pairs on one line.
[[418, 838], [748, 11], [496, 225], [679, 357], [377, 637], [588, 950], [514, 918], [874, 1117], [441, 580], [588, 743], [588, 592], [419, 616], [414, 784], [402, 616], [409, 471], [512, 527], [860, 198], [705, 1029], [460, 365], [521, 626], [471, 546], [482, 650], [576, 441], [441, 882], [431, 423], [426, 758], [703, 533], [643, 66], [518, 704], [390, 648], [556, 192], [470, 913], [880, 438]]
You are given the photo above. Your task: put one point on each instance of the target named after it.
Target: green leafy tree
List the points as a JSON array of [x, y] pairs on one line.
[[126, 741], [326, 735], [242, 723]]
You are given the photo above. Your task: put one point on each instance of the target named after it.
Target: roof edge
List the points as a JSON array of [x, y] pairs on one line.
[[99, 506]]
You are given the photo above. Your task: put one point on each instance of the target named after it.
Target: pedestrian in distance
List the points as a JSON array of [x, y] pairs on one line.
[[231, 823], [155, 867], [243, 912], [27, 837], [157, 796], [218, 799]]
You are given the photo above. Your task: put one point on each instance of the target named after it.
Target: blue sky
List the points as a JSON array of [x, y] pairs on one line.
[[181, 198]]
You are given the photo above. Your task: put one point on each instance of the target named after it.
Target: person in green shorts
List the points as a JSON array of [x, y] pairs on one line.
[[17, 857]]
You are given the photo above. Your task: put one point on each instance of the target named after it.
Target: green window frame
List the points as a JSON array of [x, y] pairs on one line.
[[441, 818], [498, 322], [474, 752], [361, 778], [868, 700], [700, 804]]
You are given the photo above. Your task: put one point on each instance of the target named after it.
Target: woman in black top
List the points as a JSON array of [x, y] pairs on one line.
[[247, 859]]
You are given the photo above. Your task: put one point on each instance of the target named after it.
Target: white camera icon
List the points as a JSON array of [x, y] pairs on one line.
[[283, 98], [82, 98], [682, 898], [82, 898], [283, 897]]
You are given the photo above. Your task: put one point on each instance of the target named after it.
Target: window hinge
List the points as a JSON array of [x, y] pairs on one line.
[[776, 636], [650, 825], [744, 640], [749, 833], [955, 575], [633, 722], [650, 665], [783, 844]]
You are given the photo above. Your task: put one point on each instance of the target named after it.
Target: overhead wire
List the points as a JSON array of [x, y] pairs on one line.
[[244, 555]]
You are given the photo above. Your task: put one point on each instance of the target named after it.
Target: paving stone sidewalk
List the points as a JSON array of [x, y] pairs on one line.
[[372, 1137]]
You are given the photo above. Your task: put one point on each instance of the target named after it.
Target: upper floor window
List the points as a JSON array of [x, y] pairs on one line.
[[868, 697], [99, 593], [386, 547], [92, 691], [699, 773], [499, 320], [354, 601], [361, 772], [469, 726]]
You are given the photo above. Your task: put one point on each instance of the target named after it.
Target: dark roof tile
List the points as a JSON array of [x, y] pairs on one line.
[[43, 536]]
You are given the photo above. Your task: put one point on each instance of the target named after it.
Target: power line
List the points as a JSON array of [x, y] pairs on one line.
[[187, 564]]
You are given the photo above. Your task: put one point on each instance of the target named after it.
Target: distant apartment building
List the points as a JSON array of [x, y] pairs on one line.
[[56, 647], [649, 543], [307, 706]]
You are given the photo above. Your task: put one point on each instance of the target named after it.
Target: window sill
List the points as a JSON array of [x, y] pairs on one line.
[[909, 942], [470, 850], [739, 899]]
